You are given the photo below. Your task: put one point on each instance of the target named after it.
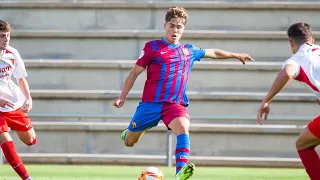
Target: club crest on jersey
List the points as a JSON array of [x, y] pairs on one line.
[[185, 51], [134, 124]]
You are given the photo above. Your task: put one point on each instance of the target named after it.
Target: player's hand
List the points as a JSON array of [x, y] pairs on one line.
[[243, 57], [28, 105], [4, 103], [119, 102], [263, 110], [318, 101]]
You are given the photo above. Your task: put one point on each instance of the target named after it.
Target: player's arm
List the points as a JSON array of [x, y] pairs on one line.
[[20, 74], [129, 82], [142, 62], [221, 54], [282, 79], [24, 87]]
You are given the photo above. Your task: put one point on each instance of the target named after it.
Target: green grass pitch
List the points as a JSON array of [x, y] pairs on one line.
[[70, 172]]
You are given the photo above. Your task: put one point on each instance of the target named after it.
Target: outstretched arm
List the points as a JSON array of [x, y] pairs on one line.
[[221, 54], [283, 78], [128, 84]]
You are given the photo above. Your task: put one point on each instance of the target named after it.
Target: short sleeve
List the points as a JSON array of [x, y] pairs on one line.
[[145, 56], [293, 62], [19, 69], [197, 52]]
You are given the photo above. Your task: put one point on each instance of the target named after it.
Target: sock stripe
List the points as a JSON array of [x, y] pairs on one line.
[[182, 150], [182, 163], [182, 153], [178, 168]]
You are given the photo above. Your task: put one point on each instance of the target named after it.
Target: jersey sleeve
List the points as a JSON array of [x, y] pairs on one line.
[[197, 52], [145, 56], [19, 70], [292, 61]]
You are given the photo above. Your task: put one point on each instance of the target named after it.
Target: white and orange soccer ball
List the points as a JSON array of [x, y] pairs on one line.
[[151, 173]]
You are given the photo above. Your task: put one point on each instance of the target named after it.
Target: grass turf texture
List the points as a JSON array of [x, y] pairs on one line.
[[68, 172]]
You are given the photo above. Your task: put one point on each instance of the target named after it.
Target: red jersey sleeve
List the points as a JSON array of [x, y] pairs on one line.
[[145, 56]]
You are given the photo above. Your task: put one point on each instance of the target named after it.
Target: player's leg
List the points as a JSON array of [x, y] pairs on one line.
[[21, 123], [180, 127], [28, 137], [177, 119], [131, 138], [9, 150], [147, 115], [305, 144]]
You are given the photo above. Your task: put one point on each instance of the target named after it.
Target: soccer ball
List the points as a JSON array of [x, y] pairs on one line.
[[151, 173]]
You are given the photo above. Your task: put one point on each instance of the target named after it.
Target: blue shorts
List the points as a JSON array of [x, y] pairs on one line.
[[148, 115]]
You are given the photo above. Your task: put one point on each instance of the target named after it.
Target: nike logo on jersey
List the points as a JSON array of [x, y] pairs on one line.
[[163, 52]]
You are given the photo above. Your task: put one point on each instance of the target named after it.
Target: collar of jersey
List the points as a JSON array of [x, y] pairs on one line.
[[172, 45], [304, 45]]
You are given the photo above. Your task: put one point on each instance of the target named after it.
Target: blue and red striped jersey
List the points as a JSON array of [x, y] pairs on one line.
[[168, 67]]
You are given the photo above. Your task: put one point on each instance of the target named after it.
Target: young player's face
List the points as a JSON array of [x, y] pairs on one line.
[[174, 29], [4, 40]]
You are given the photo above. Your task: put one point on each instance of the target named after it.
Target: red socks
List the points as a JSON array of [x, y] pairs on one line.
[[311, 162], [13, 159]]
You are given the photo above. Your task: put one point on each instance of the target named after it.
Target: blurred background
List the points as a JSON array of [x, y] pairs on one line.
[[78, 54]]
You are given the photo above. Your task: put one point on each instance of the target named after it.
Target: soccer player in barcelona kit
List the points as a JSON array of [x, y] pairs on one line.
[[303, 66], [168, 64], [12, 100]]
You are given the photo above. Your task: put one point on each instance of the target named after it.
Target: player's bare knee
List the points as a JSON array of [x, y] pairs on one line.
[[129, 142], [31, 141], [298, 144], [181, 129], [303, 144], [180, 126], [5, 137]]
